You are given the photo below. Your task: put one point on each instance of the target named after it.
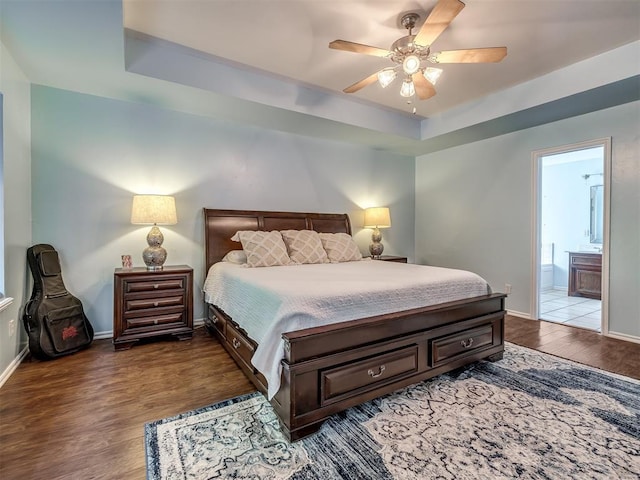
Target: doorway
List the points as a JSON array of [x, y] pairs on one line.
[[570, 234]]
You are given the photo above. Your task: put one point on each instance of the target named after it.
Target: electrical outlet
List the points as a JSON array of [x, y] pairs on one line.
[[12, 327], [507, 288]]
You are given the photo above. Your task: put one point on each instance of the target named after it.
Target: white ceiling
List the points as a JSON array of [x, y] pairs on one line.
[[266, 63], [289, 38]]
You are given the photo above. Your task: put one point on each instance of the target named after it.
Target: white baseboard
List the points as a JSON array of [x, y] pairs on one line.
[[623, 336], [519, 314], [197, 322], [13, 365], [103, 335]]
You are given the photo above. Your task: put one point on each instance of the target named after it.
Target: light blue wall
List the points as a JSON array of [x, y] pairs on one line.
[[16, 167], [91, 154], [473, 207]]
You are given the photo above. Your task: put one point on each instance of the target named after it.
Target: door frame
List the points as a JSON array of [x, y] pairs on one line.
[[536, 217]]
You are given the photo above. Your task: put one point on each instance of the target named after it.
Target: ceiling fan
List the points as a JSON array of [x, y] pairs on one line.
[[409, 52]]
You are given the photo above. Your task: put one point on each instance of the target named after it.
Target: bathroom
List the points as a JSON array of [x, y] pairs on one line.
[[571, 233]]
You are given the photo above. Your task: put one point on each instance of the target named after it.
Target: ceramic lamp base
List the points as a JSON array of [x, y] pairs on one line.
[[154, 255], [376, 248]]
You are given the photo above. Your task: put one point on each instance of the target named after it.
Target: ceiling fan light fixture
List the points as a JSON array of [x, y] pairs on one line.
[[432, 74], [407, 90], [411, 51], [386, 76], [411, 64]]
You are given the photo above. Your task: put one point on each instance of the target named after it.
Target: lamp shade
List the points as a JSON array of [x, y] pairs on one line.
[[407, 89], [377, 217], [386, 76], [153, 210]]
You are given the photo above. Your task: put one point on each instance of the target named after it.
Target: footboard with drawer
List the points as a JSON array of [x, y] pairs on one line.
[[328, 369]]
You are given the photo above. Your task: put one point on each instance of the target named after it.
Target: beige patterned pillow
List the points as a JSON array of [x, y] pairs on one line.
[[304, 246], [263, 249], [340, 247]]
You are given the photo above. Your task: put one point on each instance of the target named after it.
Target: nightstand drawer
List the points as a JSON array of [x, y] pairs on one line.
[[141, 304], [135, 286], [155, 320]]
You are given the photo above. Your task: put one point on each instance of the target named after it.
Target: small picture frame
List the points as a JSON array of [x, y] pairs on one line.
[[126, 261]]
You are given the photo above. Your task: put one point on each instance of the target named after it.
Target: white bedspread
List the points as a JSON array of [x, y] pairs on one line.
[[270, 301]]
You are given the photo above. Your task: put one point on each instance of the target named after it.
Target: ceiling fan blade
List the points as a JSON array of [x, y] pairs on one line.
[[361, 84], [472, 55], [424, 88], [359, 48], [439, 19]]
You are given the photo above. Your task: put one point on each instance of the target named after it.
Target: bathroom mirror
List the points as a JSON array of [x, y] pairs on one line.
[[597, 224]]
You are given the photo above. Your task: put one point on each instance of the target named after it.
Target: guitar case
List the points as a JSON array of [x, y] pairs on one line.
[[53, 318]]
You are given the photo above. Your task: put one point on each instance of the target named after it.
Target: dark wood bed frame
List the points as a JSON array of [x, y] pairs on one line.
[[331, 368]]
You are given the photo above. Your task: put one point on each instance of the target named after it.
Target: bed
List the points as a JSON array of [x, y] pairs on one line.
[[325, 369]]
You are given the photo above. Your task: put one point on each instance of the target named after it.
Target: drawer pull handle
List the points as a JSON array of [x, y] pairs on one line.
[[214, 319], [235, 343], [466, 343], [373, 374], [155, 321], [155, 304], [156, 286]]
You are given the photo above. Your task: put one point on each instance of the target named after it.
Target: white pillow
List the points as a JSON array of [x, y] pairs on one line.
[[263, 249], [235, 256], [340, 247], [304, 246]]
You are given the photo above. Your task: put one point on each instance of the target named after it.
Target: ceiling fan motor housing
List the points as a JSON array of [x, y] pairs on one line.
[[404, 48]]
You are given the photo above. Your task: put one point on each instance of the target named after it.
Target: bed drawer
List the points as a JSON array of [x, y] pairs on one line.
[[352, 379], [460, 344], [240, 346], [217, 321]]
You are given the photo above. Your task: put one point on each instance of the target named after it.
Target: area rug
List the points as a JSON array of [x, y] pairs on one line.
[[529, 416]]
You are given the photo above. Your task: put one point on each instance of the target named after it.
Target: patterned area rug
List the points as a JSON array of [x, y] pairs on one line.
[[530, 416]]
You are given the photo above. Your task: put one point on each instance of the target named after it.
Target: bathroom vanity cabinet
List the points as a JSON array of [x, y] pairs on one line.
[[585, 274]]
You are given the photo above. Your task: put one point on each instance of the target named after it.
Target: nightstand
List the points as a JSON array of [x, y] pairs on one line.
[[152, 303], [392, 258]]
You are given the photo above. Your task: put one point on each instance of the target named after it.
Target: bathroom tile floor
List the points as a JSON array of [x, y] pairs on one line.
[[557, 306]]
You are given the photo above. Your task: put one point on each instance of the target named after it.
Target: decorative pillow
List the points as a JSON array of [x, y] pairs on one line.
[[235, 256], [263, 249], [340, 247], [304, 246]]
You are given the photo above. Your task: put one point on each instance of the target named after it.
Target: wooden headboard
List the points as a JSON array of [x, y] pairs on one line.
[[220, 225]]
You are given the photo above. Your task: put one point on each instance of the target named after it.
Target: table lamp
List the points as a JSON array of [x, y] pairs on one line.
[[154, 210]]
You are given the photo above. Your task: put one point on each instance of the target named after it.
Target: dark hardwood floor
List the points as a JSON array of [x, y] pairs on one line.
[[578, 344], [82, 417]]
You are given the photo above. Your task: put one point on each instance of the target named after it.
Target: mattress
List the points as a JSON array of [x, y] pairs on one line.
[[269, 301]]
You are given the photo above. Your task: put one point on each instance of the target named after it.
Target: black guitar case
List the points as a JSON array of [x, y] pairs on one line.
[[54, 319]]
